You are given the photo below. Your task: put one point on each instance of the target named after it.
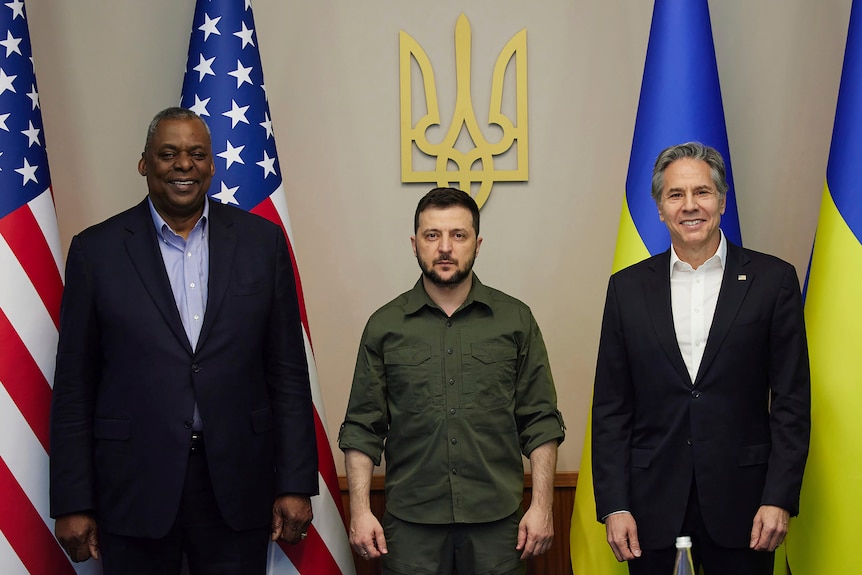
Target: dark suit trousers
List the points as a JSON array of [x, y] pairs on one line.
[[199, 532], [713, 559]]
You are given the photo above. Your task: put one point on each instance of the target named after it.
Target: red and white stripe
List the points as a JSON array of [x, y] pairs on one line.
[[31, 286], [326, 550]]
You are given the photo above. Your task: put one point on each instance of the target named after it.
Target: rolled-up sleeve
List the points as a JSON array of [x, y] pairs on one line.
[[367, 420], [536, 413]]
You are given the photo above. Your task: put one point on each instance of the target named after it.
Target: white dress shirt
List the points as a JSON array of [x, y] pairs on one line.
[[693, 295]]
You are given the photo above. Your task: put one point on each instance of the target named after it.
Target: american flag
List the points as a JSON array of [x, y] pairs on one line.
[[224, 84], [31, 285]]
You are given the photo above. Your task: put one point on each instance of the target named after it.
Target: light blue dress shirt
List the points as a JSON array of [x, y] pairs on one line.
[[187, 263]]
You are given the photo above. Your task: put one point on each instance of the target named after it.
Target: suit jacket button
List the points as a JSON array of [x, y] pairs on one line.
[[695, 393], [188, 423], [196, 368]]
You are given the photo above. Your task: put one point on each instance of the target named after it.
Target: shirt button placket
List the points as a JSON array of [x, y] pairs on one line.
[[451, 365], [452, 374]]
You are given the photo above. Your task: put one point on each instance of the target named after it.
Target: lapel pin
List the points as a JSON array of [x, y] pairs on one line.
[[741, 277]]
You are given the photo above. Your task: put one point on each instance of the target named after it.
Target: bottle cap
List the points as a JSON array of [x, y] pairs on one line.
[[683, 542]]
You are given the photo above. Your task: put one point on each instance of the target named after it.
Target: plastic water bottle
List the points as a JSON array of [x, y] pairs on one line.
[[683, 564]]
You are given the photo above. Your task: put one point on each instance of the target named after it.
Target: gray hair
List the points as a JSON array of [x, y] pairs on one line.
[[695, 151], [173, 113]]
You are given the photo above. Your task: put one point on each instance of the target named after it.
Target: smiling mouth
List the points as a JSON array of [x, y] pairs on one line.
[[691, 223]]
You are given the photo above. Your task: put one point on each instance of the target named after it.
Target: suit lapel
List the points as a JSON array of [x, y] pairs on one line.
[[222, 243], [734, 287], [657, 296], [143, 249]]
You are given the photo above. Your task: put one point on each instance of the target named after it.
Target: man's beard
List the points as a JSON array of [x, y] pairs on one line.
[[455, 279]]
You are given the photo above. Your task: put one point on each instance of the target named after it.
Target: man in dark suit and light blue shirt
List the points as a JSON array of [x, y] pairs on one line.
[[182, 420], [701, 403]]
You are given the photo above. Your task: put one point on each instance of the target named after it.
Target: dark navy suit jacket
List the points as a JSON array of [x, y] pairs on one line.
[[127, 379], [741, 429]]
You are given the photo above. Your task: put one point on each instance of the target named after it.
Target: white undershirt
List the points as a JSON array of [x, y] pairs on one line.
[[693, 295]]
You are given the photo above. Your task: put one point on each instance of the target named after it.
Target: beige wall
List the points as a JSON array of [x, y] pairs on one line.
[[106, 66]]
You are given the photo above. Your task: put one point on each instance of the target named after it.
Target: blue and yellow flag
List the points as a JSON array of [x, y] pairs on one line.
[[680, 101], [824, 538]]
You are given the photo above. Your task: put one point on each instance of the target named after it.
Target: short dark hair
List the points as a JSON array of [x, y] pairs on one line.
[[695, 151], [441, 198], [172, 113]]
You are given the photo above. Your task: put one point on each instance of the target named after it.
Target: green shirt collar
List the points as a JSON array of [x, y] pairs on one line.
[[417, 298]]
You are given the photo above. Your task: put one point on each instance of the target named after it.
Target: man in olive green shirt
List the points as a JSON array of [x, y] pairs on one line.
[[452, 382]]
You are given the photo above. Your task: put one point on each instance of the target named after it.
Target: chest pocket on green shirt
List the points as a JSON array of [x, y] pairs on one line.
[[490, 370], [409, 375]]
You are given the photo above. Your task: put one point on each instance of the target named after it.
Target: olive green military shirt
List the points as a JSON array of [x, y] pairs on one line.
[[453, 402]]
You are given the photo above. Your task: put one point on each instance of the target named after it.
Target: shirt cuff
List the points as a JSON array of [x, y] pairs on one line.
[[616, 513]]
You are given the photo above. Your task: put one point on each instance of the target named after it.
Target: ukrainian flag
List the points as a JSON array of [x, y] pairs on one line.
[[824, 538], [680, 101]]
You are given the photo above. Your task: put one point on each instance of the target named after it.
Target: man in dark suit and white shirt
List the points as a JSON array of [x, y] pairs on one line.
[[182, 420], [701, 402]]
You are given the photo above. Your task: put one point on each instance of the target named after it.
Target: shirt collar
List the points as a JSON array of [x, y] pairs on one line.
[[718, 258], [162, 226], [418, 298]]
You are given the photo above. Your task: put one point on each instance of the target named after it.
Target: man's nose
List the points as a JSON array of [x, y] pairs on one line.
[[689, 203], [183, 161]]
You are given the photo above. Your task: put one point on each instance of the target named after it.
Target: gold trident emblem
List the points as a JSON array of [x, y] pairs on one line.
[[464, 118]]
